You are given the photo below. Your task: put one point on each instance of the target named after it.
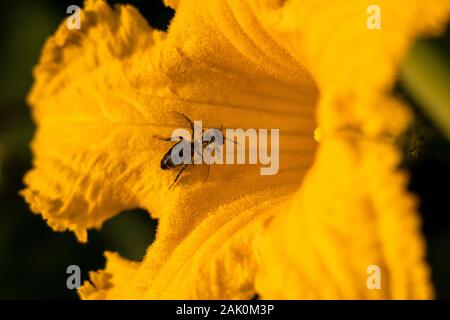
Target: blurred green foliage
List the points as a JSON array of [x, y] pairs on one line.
[[426, 74]]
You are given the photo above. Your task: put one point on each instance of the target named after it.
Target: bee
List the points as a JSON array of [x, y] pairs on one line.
[[167, 162]]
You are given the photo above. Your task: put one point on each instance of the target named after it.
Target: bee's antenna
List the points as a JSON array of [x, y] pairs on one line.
[[178, 175], [235, 142], [221, 130]]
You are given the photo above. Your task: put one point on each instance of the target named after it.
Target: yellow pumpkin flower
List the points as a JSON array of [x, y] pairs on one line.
[[311, 68]]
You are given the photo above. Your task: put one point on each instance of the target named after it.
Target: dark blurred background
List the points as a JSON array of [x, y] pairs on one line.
[[33, 258]]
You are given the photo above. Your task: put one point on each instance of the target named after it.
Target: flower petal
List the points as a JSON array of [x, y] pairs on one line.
[[352, 64], [351, 212], [214, 261], [109, 285]]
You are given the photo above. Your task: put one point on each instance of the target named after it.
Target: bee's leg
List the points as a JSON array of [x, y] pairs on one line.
[[178, 175], [209, 169], [165, 139]]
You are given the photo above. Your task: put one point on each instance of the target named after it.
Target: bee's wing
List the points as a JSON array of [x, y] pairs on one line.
[[182, 120]]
